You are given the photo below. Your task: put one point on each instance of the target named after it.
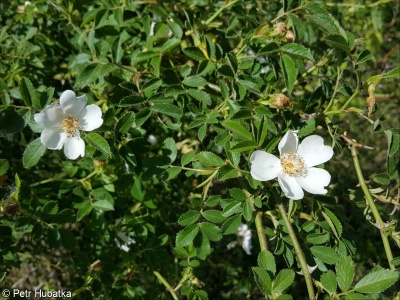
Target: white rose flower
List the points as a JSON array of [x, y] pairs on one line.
[[244, 233], [63, 120], [295, 167]]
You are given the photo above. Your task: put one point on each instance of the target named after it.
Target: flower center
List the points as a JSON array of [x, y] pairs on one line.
[[70, 126], [292, 164]]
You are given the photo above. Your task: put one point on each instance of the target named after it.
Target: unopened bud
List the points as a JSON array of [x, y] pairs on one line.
[[290, 37], [262, 31], [370, 101], [280, 101], [11, 208], [280, 29]]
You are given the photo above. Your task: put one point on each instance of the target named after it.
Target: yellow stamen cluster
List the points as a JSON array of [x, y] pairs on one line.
[[292, 164], [70, 126]]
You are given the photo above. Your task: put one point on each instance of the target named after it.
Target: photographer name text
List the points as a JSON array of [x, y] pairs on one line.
[[36, 293]]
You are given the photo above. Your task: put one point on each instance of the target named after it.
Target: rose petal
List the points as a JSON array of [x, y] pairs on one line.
[[290, 186], [74, 147], [264, 166], [90, 118], [52, 138], [315, 181], [288, 143], [71, 104], [313, 151], [40, 118], [51, 117]]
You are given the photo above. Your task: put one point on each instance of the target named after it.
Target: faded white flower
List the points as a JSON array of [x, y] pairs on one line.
[[63, 120], [244, 238], [295, 167], [126, 241], [244, 234]]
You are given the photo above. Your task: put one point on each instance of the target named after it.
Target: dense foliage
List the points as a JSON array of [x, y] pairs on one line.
[[189, 90]]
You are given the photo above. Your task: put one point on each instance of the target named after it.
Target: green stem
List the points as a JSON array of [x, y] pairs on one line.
[[224, 6], [260, 231], [166, 284], [299, 252], [373, 207], [350, 99], [330, 104], [319, 64]]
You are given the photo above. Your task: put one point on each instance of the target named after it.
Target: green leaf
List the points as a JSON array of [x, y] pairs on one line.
[[213, 201], [171, 173], [187, 235], [395, 261], [187, 157], [92, 72], [170, 44], [103, 205], [210, 47], [169, 150], [200, 95], [251, 86], [10, 121], [142, 116], [356, 296], [50, 208], [283, 280], [266, 260], [211, 231], [33, 153], [345, 273], [44, 98], [97, 141], [2, 276], [297, 50], [151, 85], [194, 53], [128, 101], [202, 132], [333, 222], [244, 146], [238, 129], [263, 280], [232, 208], [324, 20], [4, 166], [338, 41], [298, 27], [325, 254], [126, 122], [377, 281], [28, 92], [204, 249], [290, 72], [232, 224], [247, 211], [284, 297], [195, 81], [188, 218], [53, 238], [318, 238], [167, 109], [202, 295], [364, 56], [214, 216], [143, 56], [209, 158], [395, 73], [238, 194], [328, 280]]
